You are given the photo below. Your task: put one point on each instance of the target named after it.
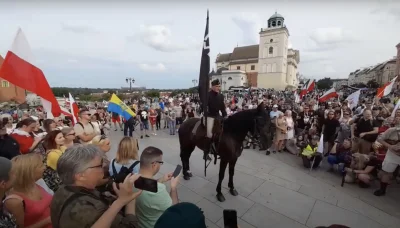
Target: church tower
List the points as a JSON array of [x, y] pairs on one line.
[[272, 56]]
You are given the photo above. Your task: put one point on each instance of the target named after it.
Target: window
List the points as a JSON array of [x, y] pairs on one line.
[[271, 50], [238, 68], [264, 68], [230, 78], [279, 23], [5, 84], [268, 68], [271, 40], [273, 67], [252, 67], [273, 23]]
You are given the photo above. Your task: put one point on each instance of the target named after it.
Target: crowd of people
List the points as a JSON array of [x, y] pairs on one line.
[[54, 173]]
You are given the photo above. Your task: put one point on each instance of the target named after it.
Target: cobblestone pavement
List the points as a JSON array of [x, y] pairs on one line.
[[275, 191]]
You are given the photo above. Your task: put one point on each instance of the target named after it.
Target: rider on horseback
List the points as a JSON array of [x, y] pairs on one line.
[[215, 105]]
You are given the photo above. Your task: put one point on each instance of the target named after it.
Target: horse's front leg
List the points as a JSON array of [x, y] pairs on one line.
[[232, 189], [222, 167]]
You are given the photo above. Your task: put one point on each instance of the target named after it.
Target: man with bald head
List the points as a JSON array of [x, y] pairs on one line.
[[364, 132]]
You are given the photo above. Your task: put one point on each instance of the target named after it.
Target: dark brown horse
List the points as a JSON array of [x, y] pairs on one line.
[[229, 144]]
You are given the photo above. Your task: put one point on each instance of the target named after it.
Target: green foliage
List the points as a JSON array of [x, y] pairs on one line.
[[153, 93], [373, 84], [325, 83]]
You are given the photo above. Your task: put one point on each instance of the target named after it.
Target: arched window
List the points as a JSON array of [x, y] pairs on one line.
[[273, 23], [273, 67], [268, 68], [271, 50], [264, 68], [230, 78], [279, 23]]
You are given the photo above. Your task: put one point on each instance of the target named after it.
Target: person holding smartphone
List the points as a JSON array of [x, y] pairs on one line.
[[151, 205]]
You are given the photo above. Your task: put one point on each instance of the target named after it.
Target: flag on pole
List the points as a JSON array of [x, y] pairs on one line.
[[204, 82], [353, 99], [116, 105], [328, 95], [308, 87], [74, 109], [320, 148], [13, 92], [395, 108], [19, 69], [386, 89]]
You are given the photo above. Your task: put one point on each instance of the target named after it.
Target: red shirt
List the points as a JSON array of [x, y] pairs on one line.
[[25, 142]]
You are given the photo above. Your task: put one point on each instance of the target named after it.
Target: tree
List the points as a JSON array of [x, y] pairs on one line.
[[372, 84], [325, 83], [359, 85], [152, 93]]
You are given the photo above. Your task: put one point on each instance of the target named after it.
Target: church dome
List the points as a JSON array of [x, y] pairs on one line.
[[276, 16], [276, 21]]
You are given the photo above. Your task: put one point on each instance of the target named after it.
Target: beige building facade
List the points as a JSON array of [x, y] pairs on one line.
[[271, 64], [381, 73]]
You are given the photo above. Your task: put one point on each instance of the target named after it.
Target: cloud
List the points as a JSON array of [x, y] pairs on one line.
[[323, 39], [159, 37], [159, 67], [388, 8], [249, 24], [80, 29]]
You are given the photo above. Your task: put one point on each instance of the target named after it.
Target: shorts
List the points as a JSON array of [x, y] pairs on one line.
[[389, 167], [116, 119], [179, 120], [144, 125]]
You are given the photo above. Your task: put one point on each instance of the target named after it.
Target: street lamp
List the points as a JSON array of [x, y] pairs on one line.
[[130, 81], [194, 81], [224, 84]]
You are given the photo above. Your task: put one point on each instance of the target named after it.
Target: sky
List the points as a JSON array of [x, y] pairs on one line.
[[98, 44]]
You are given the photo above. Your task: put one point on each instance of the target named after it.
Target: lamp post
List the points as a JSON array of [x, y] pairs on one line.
[[224, 85], [194, 81], [130, 81]]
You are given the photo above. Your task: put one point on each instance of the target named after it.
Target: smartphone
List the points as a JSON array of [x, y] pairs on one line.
[[230, 219], [146, 184], [177, 171]]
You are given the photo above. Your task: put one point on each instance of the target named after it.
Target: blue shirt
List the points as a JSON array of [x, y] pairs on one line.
[[273, 114], [161, 105], [119, 166]]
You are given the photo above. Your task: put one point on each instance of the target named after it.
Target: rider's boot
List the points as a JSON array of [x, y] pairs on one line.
[[207, 148]]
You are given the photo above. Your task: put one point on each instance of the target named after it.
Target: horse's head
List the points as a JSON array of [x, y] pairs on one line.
[[240, 123]]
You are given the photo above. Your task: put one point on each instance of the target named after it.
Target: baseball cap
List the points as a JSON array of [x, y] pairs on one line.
[[182, 215], [275, 106]]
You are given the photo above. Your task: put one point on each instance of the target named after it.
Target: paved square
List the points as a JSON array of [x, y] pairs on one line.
[[275, 191]]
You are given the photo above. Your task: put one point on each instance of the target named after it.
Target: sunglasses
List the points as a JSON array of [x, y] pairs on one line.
[[159, 162]]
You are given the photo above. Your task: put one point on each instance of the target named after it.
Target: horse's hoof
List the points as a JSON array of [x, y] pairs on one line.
[[233, 192], [220, 197], [186, 177]]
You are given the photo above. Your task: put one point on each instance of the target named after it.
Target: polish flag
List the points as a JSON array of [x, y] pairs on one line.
[[74, 109], [308, 87], [328, 95], [19, 69], [386, 89]]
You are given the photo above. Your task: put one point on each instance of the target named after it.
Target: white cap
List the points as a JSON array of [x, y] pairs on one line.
[[275, 106]]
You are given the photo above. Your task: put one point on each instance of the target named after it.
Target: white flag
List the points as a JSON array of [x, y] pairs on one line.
[[320, 148], [395, 108], [353, 99]]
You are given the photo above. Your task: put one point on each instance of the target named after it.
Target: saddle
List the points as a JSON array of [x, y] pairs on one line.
[[200, 130]]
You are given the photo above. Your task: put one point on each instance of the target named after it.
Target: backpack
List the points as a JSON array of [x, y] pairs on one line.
[[123, 172], [76, 140]]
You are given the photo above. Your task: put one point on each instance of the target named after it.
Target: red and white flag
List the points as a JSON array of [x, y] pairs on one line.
[[74, 109], [328, 95], [386, 89], [353, 99], [19, 69], [308, 87]]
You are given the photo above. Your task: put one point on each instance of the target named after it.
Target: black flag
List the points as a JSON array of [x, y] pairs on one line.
[[204, 81]]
